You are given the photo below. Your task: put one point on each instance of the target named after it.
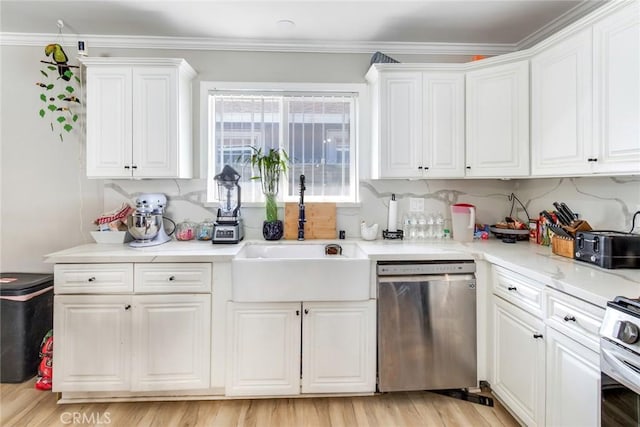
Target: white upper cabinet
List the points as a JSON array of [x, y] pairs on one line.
[[561, 107], [497, 143], [616, 51], [443, 125], [586, 99], [418, 123], [138, 118]]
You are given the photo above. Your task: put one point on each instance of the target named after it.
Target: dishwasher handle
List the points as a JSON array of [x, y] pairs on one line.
[[428, 278]]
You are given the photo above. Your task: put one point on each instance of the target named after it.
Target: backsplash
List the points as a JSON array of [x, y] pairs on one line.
[[606, 202]]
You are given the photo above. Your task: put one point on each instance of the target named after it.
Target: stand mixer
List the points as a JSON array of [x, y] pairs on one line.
[[146, 223], [229, 226]]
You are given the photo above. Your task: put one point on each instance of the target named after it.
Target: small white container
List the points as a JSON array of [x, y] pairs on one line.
[[110, 237], [368, 232]]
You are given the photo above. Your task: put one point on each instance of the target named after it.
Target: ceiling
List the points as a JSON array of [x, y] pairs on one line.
[[374, 23]]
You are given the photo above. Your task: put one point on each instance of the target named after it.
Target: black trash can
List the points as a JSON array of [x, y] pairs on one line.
[[26, 315]]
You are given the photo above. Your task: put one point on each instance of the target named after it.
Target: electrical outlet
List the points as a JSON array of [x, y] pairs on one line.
[[416, 204]]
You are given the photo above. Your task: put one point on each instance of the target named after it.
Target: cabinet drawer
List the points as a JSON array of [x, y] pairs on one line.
[[575, 318], [173, 277], [519, 290], [93, 278]]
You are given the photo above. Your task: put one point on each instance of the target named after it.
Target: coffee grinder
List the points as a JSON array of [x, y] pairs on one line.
[[229, 227]]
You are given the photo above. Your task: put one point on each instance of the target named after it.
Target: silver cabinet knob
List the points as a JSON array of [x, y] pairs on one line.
[[593, 258]]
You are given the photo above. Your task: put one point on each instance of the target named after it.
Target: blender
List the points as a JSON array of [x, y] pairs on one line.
[[146, 223], [229, 227]]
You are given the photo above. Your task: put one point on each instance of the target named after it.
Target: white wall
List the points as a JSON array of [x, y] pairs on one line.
[[47, 204]]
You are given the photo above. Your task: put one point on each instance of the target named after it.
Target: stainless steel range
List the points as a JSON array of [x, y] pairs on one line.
[[620, 363]]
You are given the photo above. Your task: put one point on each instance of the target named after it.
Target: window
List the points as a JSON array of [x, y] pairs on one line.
[[317, 129]]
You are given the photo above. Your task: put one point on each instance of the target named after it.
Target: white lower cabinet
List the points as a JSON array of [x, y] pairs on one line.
[[92, 343], [573, 382], [171, 336], [519, 361], [310, 347], [112, 334], [131, 342]]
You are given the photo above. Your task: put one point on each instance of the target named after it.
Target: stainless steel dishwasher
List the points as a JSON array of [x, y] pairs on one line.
[[426, 325]]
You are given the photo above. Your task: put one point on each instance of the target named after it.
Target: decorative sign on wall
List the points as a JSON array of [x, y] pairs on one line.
[[58, 90]]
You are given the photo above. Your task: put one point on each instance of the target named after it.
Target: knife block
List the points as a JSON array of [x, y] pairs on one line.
[[562, 246], [577, 225]]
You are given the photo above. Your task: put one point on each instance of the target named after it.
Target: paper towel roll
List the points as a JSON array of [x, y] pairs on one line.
[[393, 214]]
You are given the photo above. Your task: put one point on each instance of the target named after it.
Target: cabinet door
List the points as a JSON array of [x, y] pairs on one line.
[[109, 124], [443, 125], [155, 122], [338, 347], [617, 91], [92, 342], [519, 361], [498, 121], [573, 383], [400, 122], [171, 342], [561, 116], [263, 354]]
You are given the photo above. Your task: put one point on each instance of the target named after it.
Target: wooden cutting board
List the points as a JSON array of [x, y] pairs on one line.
[[321, 221]]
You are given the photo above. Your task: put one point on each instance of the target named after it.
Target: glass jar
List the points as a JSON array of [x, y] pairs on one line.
[[205, 230], [186, 230], [438, 232], [422, 227]]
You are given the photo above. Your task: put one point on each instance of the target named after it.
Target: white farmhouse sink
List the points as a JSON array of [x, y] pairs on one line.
[[299, 272]]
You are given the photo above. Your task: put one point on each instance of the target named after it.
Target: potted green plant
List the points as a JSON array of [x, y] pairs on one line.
[[270, 166]]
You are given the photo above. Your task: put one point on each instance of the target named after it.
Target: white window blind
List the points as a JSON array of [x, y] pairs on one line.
[[317, 130]]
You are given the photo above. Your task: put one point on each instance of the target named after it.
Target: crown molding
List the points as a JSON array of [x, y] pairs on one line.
[[190, 43], [559, 23]]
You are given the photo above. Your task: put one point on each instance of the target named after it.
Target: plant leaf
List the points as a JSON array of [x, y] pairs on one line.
[[43, 97], [77, 78], [41, 112], [68, 73], [62, 96], [74, 118], [44, 74], [69, 89], [61, 119], [50, 86], [51, 67], [68, 127], [52, 107]]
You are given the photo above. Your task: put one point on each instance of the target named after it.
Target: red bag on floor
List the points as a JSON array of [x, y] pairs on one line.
[[45, 368]]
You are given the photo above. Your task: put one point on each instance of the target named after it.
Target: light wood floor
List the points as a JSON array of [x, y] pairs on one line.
[[22, 405]]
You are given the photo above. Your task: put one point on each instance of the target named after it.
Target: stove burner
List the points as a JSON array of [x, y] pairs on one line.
[[628, 305]]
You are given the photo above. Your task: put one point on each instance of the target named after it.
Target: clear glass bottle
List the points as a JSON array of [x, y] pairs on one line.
[[205, 230], [186, 230], [430, 222], [413, 227], [422, 228], [438, 232]]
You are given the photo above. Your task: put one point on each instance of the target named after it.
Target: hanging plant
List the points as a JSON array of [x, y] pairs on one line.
[[57, 90]]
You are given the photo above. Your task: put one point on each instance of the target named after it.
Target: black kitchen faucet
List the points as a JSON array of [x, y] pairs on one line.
[[301, 218]]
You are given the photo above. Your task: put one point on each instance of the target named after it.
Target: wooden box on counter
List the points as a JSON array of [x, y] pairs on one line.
[[564, 246]]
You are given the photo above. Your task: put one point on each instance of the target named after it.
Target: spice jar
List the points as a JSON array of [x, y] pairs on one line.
[[205, 230], [186, 230]]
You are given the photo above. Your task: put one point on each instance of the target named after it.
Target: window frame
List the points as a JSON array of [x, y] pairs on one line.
[[207, 161]]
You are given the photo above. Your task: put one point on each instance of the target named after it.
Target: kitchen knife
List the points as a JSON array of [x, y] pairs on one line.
[[568, 211], [555, 229], [548, 216], [564, 220], [561, 218]]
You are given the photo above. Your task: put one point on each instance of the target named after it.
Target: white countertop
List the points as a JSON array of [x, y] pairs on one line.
[[591, 283]]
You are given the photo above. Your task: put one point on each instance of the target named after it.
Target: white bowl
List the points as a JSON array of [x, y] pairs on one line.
[[368, 232], [111, 237]]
